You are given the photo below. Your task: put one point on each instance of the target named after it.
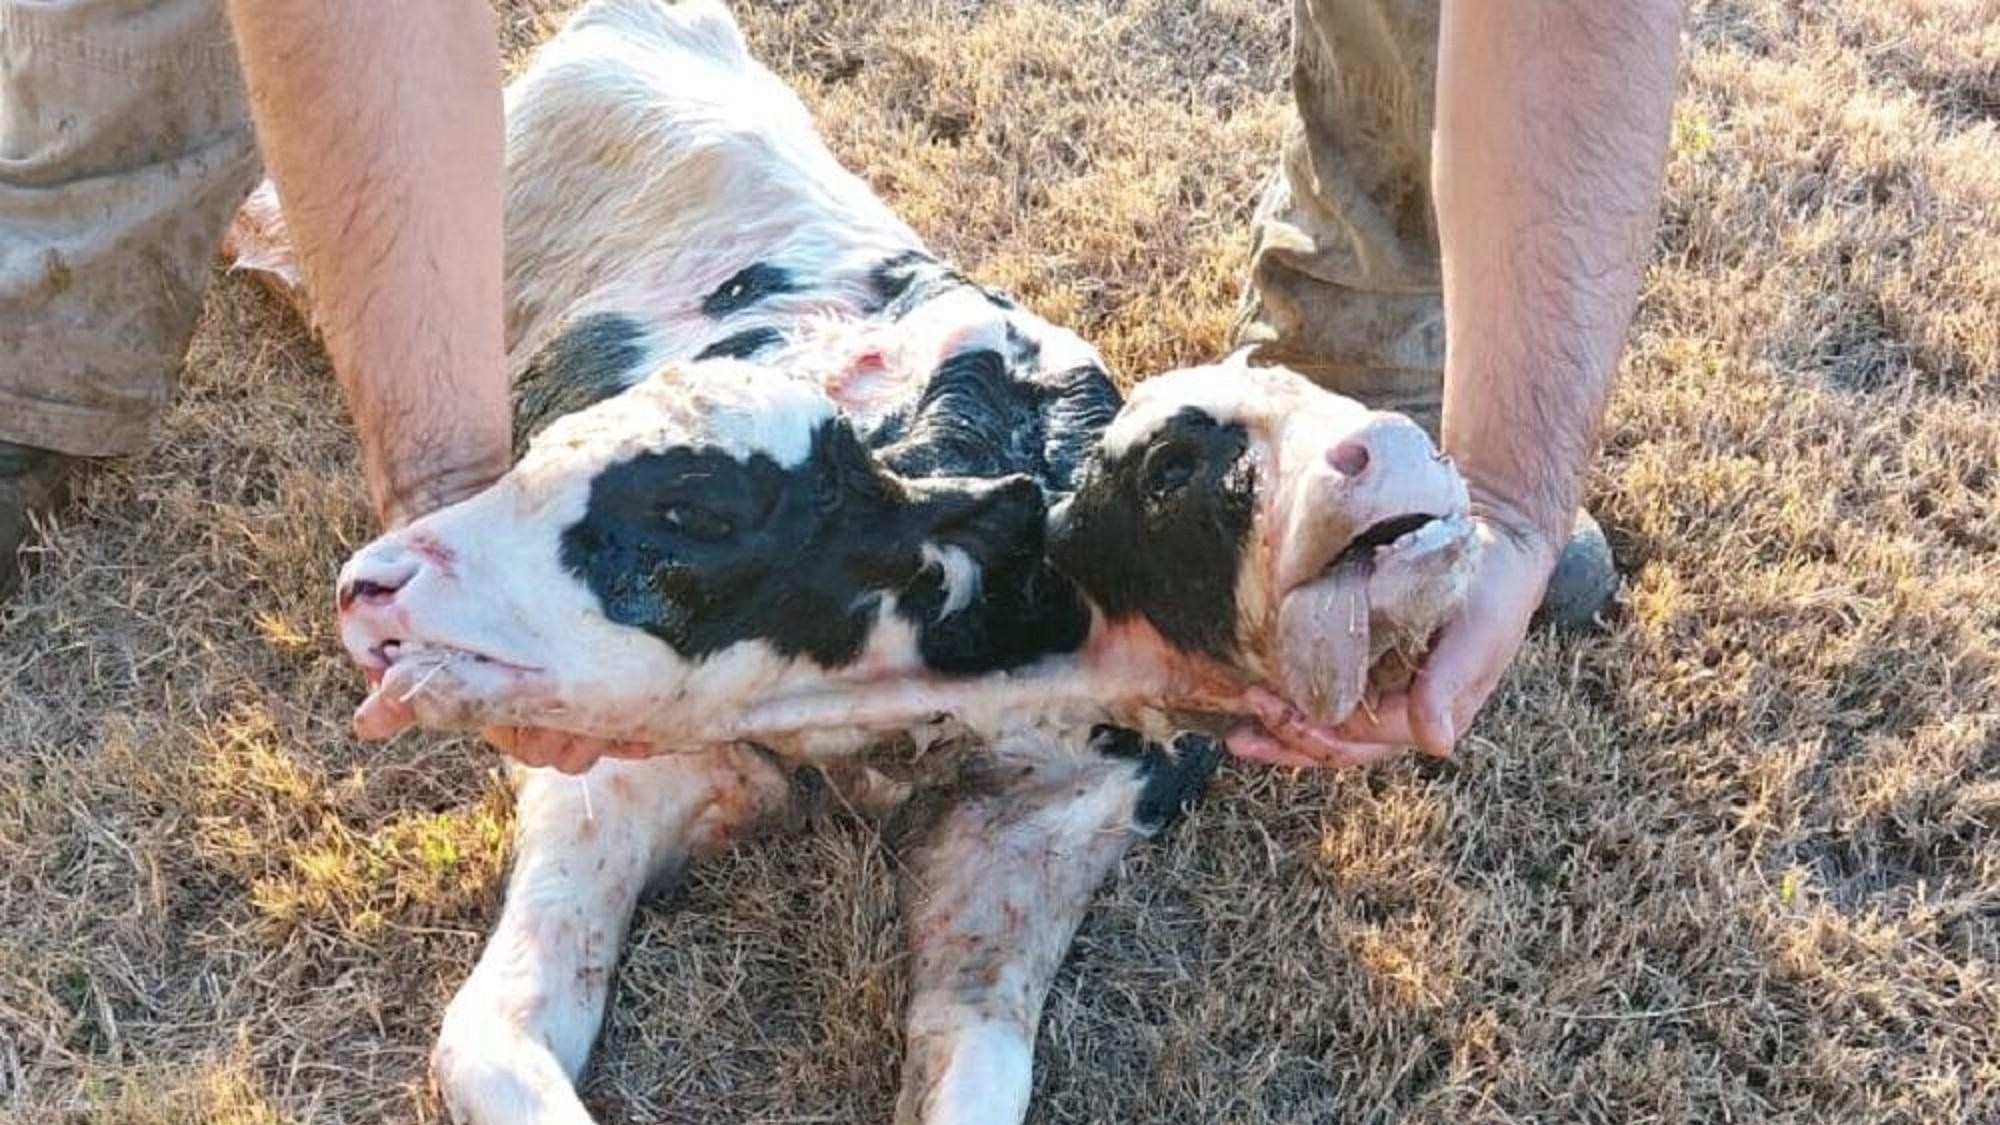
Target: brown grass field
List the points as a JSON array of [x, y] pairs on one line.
[[1734, 859]]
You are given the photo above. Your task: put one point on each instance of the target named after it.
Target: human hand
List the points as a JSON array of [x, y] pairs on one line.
[[1470, 654]]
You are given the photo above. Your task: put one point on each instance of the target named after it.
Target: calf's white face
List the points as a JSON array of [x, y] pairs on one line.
[[1256, 519], [708, 539]]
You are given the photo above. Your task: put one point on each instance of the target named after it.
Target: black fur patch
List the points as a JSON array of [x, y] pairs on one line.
[[704, 550], [1023, 609], [1171, 780], [590, 360], [973, 419], [1077, 405], [742, 345], [892, 277], [978, 417], [1022, 350], [1160, 531], [909, 279], [749, 285]]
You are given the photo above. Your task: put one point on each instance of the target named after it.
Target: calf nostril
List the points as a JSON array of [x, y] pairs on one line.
[[1349, 458]]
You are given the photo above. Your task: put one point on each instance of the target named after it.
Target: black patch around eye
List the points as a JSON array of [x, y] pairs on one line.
[[787, 570], [801, 557], [588, 361], [1169, 468], [1172, 558], [749, 285], [742, 345]]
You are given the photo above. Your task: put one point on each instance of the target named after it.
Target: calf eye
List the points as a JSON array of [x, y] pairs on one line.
[[694, 521], [1169, 467]]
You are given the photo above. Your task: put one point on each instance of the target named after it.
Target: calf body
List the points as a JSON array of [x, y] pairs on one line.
[[789, 484]]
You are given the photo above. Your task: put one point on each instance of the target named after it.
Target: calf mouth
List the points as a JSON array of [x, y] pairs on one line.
[[1383, 537], [385, 655], [438, 685], [1387, 590]]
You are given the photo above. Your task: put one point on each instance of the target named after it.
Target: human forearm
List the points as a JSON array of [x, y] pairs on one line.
[[1551, 128], [383, 132]]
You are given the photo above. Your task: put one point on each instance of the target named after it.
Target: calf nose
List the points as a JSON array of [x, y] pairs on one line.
[[373, 576], [1386, 443]]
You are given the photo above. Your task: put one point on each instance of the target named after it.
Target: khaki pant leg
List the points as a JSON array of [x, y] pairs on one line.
[[125, 146], [1344, 281]]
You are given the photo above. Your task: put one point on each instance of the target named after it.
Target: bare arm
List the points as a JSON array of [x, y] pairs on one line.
[[1552, 127], [381, 125]]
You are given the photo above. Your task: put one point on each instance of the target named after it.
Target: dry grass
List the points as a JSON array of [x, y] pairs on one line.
[[1734, 860]]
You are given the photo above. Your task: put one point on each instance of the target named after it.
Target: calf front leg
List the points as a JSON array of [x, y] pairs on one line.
[[994, 895], [517, 1034]]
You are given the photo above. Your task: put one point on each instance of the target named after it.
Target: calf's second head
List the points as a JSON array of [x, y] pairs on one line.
[[1261, 522]]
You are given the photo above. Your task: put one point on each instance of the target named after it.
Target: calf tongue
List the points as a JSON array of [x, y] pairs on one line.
[[383, 715], [1323, 643]]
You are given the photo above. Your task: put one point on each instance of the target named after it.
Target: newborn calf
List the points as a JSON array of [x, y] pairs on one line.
[[789, 485]]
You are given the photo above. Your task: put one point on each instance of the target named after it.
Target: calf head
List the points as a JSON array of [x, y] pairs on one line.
[[711, 537], [1255, 520]]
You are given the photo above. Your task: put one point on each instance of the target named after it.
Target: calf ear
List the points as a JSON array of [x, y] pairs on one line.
[[999, 523], [849, 474], [991, 602]]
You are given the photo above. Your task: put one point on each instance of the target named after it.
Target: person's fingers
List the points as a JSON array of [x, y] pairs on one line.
[[1384, 721], [1253, 745], [1429, 716], [1461, 674], [1363, 753], [1303, 745], [1446, 695], [1439, 696]]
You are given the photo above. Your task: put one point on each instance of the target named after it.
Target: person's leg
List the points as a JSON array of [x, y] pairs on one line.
[[125, 145], [1344, 283], [1344, 279]]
